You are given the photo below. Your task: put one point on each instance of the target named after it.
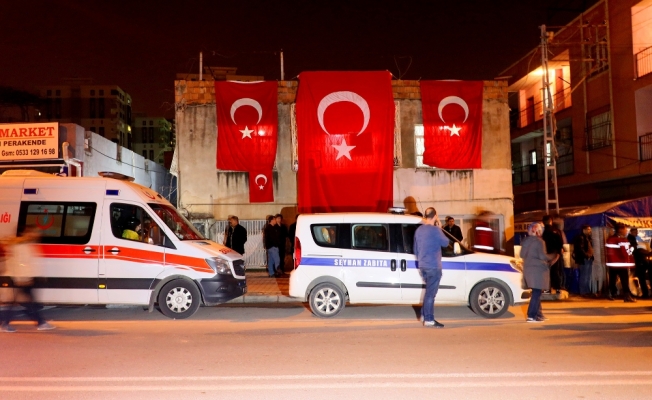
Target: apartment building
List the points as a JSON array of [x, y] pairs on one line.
[[600, 80], [152, 137]]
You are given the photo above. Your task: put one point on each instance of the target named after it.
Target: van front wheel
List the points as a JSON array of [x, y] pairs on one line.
[[179, 299], [326, 300]]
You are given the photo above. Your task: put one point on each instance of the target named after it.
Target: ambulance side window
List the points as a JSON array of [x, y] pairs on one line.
[[132, 222], [58, 222]]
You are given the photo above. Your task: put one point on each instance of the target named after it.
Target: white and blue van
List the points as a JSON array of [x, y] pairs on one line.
[[368, 258]]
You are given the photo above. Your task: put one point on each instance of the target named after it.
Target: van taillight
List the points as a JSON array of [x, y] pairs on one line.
[[297, 252]]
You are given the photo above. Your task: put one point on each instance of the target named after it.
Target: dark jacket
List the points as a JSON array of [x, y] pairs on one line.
[[455, 232], [282, 236], [552, 237], [270, 236], [536, 263], [582, 248], [236, 238]]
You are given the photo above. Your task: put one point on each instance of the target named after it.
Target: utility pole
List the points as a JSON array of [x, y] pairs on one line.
[[282, 70], [549, 127]]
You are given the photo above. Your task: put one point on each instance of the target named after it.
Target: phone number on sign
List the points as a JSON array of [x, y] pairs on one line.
[[29, 152]]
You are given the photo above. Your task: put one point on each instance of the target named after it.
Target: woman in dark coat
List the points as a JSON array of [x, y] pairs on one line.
[[536, 269]]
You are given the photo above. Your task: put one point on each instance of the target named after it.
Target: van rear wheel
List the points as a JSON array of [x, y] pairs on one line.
[[489, 299], [326, 300], [179, 299]]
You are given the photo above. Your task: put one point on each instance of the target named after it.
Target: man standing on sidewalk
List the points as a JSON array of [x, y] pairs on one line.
[[554, 245], [620, 261], [235, 235], [583, 255], [270, 238], [428, 241], [282, 238]]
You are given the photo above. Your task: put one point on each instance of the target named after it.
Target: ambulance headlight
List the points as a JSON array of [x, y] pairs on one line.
[[516, 264], [219, 266]]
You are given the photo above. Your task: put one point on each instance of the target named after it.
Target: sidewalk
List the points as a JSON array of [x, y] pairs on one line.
[[263, 289]]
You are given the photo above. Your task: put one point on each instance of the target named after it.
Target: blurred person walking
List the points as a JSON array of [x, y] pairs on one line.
[[19, 265], [536, 269]]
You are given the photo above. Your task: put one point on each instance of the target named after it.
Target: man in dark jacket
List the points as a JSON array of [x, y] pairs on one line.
[[235, 235], [554, 245], [270, 240], [640, 258], [453, 229], [583, 255], [282, 238]]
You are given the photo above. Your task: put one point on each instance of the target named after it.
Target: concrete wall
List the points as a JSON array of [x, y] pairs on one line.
[[209, 194]]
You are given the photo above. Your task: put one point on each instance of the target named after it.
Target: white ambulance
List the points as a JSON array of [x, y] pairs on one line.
[[368, 258], [107, 240]]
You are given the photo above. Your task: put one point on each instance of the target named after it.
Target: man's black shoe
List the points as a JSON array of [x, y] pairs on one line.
[[438, 325], [630, 299]]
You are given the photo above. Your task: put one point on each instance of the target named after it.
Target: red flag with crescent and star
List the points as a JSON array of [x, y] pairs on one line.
[[345, 134], [247, 127], [452, 123]]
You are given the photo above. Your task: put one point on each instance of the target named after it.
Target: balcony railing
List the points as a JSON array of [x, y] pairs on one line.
[[535, 172], [643, 62], [645, 146], [598, 136]]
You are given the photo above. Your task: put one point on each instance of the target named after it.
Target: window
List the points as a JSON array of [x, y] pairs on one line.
[[92, 92], [57, 108], [49, 92], [325, 235], [100, 108], [419, 146], [533, 157], [58, 222], [144, 122], [151, 135], [180, 226], [57, 93], [101, 92], [370, 236], [114, 92], [143, 132], [131, 222], [101, 132], [151, 154], [151, 123], [408, 237], [598, 130], [145, 154], [93, 108]]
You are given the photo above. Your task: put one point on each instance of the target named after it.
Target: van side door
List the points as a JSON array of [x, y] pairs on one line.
[[453, 280]]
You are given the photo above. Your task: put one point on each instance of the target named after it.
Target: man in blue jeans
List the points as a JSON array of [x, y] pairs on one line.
[[428, 241], [271, 242]]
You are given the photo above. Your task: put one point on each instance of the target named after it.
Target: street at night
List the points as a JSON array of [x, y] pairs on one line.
[[587, 349]]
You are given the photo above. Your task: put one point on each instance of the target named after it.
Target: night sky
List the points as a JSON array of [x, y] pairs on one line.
[[140, 45]]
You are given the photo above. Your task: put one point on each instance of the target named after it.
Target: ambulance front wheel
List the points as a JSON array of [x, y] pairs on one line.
[[179, 299], [489, 299], [326, 300]]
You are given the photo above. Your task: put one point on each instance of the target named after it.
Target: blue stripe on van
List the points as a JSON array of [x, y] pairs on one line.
[[382, 263]]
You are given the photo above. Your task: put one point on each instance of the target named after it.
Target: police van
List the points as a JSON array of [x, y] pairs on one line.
[[369, 258], [107, 240]]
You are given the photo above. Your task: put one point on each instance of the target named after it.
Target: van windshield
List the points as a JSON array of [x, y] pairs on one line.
[[180, 226]]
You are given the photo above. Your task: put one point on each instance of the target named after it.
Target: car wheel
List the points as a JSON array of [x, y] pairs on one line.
[[326, 300], [489, 299], [179, 299]]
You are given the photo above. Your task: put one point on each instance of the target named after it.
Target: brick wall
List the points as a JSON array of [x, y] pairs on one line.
[[202, 92]]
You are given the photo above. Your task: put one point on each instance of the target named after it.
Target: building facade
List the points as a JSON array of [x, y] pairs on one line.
[[209, 195], [152, 137], [600, 77], [102, 109]]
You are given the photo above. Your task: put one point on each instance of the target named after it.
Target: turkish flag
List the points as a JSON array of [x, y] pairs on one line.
[[261, 189], [345, 134], [452, 123], [247, 127]]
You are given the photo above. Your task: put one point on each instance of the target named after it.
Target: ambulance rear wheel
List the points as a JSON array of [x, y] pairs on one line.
[[179, 299], [489, 299], [326, 300]]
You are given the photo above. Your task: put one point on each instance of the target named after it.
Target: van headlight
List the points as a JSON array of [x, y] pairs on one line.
[[516, 264], [220, 266]]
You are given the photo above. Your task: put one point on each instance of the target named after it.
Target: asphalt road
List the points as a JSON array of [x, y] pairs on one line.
[[587, 350]]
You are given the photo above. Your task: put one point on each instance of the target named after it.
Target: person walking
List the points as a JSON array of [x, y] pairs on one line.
[[235, 235], [19, 265], [453, 229], [555, 246], [428, 241], [270, 240], [282, 238], [536, 269], [583, 255], [620, 261]]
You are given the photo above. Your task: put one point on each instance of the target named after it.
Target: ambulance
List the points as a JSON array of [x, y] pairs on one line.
[[107, 240], [369, 258]]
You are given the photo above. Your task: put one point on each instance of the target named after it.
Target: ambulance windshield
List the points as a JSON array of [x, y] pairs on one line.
[[181, 227]]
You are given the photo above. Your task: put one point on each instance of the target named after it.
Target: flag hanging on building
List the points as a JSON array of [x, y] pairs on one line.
[[345, 134], [452, 123], [247, 125]]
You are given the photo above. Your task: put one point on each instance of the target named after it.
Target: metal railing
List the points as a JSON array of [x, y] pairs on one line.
[[598, 136], [535, 172], [645, 146], [643, 62]]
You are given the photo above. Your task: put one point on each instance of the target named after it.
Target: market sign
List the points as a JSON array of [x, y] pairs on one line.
[[29, 141]]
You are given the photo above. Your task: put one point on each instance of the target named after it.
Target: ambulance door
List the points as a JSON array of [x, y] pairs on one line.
[[452, 285], [131, 258]]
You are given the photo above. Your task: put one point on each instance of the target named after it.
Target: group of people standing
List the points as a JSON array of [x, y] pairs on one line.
[[275, 236]]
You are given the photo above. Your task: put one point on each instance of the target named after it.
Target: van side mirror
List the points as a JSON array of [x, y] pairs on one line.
[[457, 249]]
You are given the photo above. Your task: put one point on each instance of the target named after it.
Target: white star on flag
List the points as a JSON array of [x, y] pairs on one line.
[[343, 150], [261, 187], [454, 130], [246, 132]]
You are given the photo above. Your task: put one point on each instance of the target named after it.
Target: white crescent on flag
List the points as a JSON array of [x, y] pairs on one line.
[[256, 181], [336, 97], [246, 102], [453, 100]]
